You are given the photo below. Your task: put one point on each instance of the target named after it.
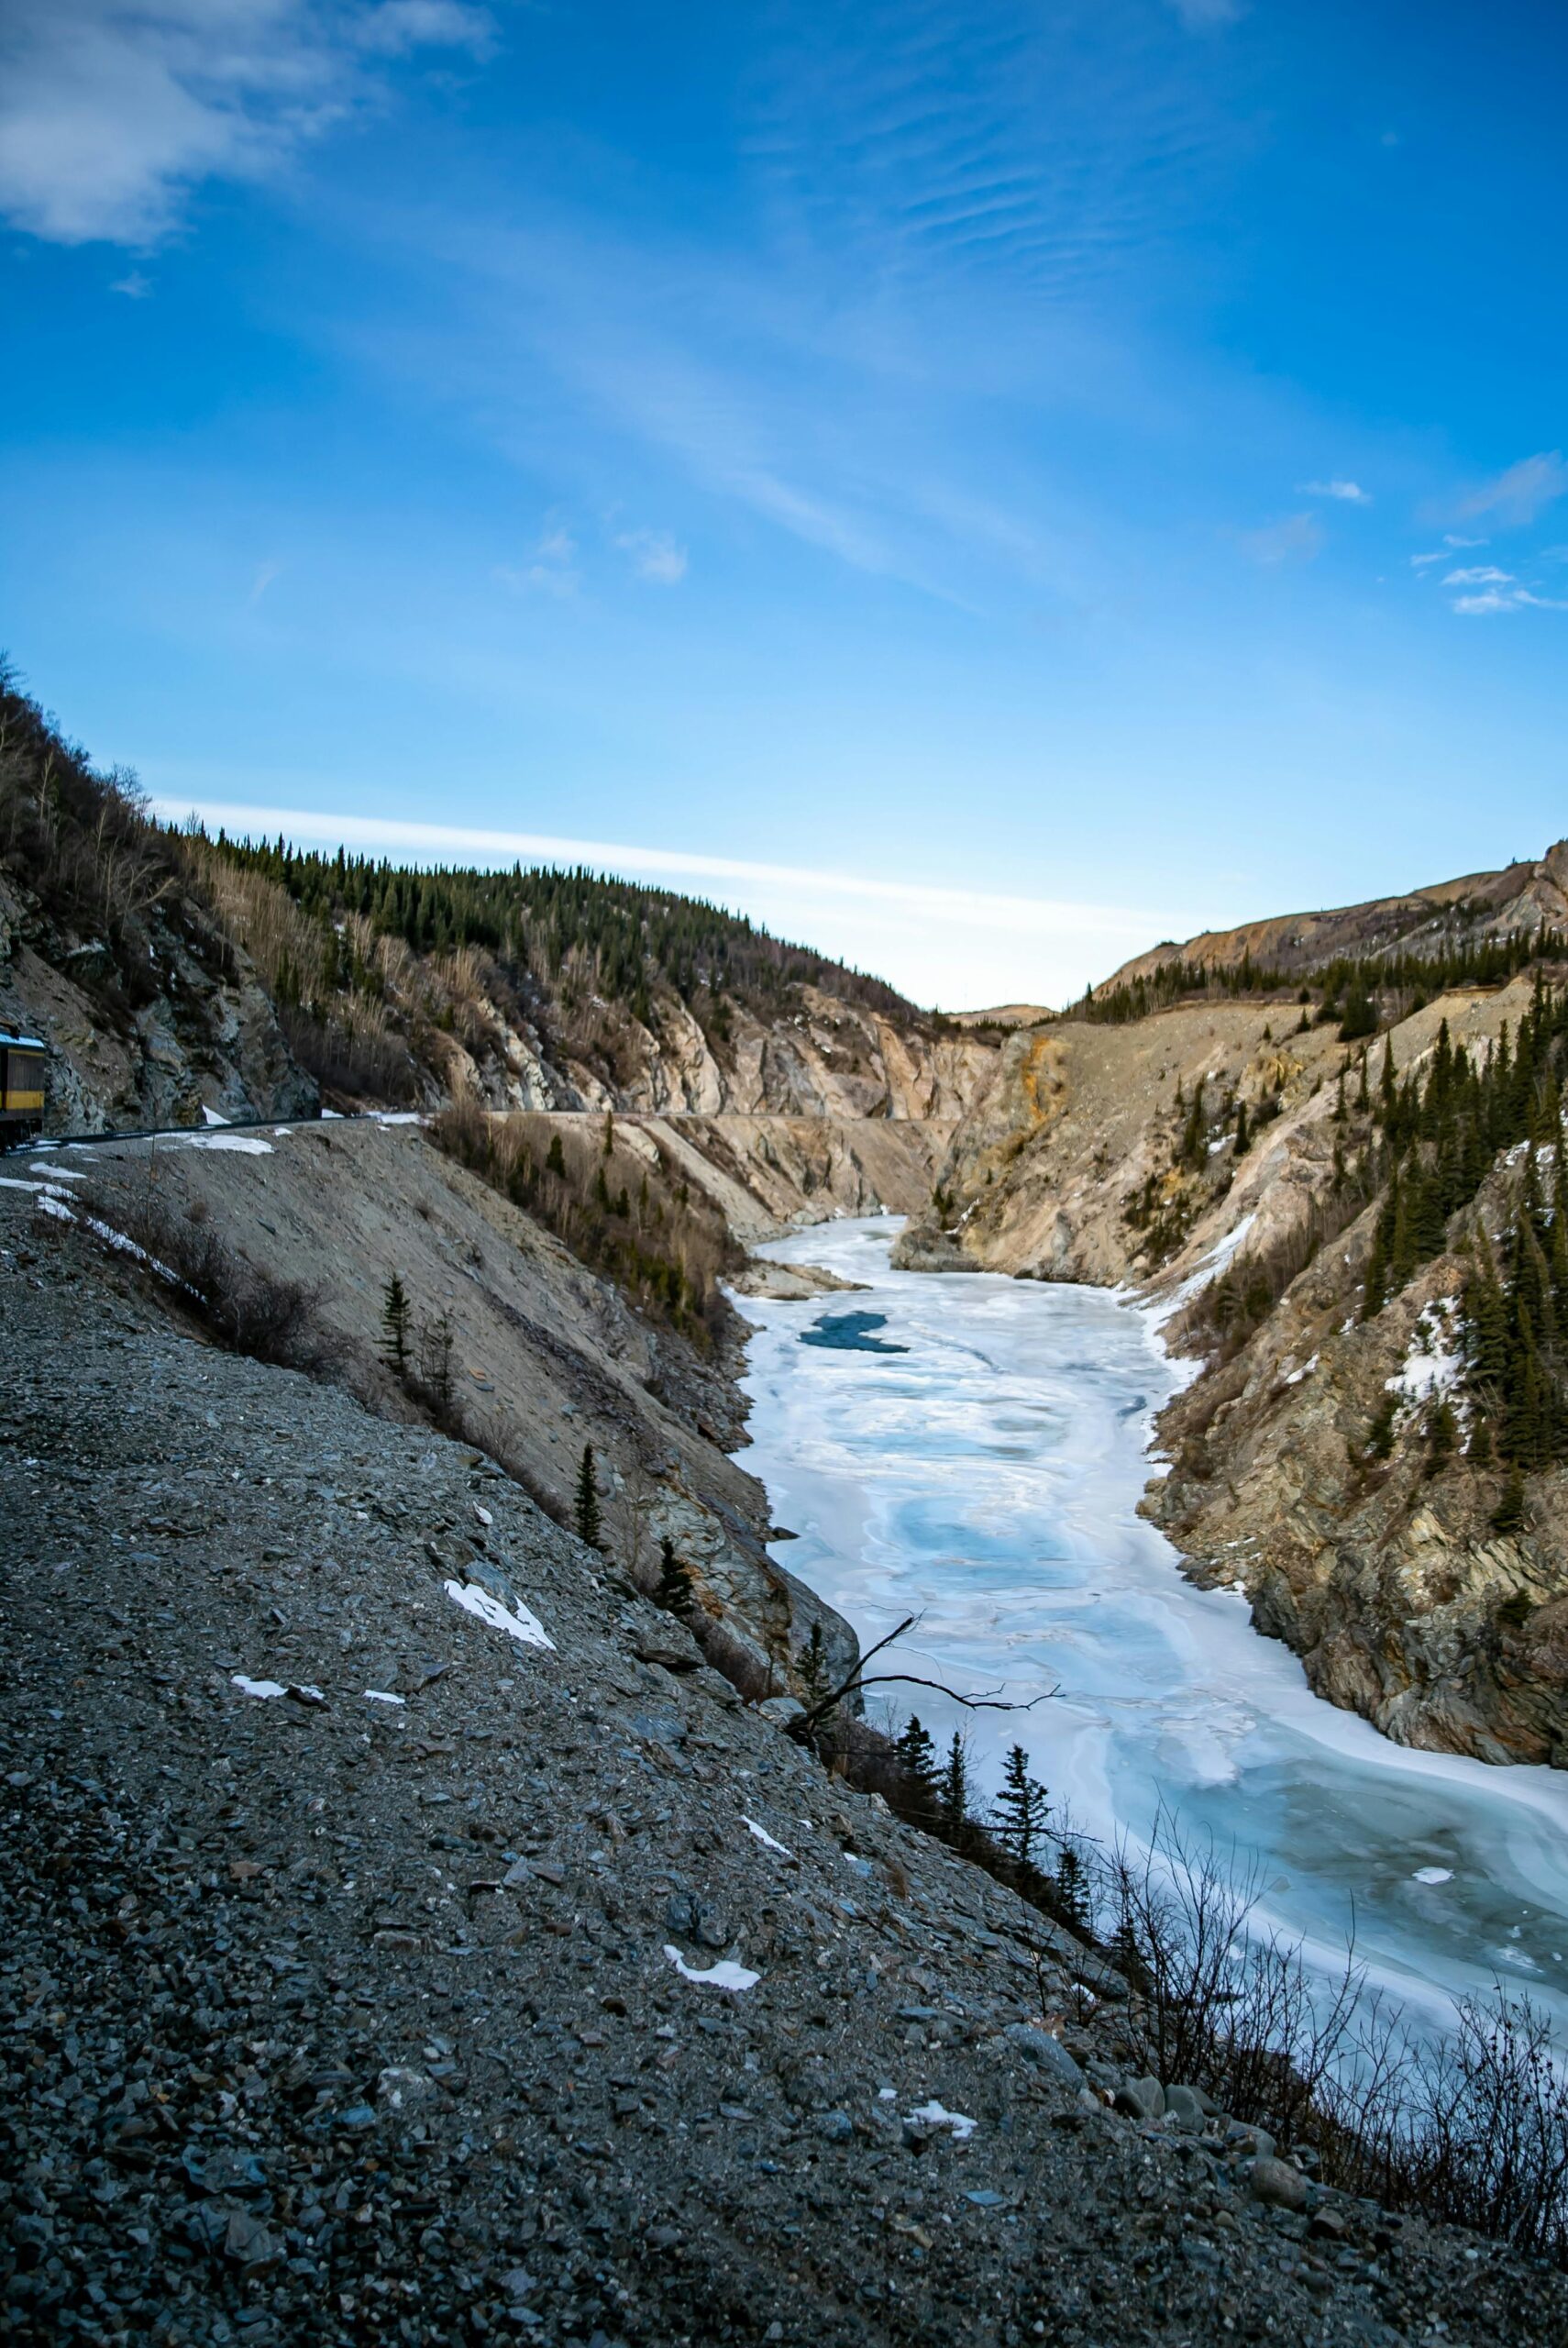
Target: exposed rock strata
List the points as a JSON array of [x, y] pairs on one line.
[[1400, 1600]]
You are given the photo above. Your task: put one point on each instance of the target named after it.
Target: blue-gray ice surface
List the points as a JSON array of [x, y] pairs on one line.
[[986, 1478]]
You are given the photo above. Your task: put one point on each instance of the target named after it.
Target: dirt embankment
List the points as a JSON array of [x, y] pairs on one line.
[[544, 1358], [1389, 1581], [405, 1938]]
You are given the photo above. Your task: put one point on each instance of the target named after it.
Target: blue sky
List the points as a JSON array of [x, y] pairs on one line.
[[979, 488]]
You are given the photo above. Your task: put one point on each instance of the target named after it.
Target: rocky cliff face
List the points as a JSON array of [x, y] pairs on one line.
[[824, 1058], [1386, 1577], [187, 1026]]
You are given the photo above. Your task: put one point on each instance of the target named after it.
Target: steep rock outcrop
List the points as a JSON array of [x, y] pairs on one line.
[[1389, 1582]]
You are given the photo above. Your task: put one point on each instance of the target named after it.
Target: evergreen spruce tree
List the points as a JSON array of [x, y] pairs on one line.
[[1020, 1808], [813, 1670], [952, 1791], [1508, 1515], [589, 1524], [1380, 1433], [1072, 1891], [1442, 1436], [555, 1162], [396, 1320], [1363, 1096], [674, 1592], [917, 1756], [1243, 1138]]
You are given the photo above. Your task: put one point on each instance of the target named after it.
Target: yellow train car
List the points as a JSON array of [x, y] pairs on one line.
[[23, 1059]]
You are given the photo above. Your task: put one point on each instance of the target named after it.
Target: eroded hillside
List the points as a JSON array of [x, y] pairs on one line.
[[1344, 1458]]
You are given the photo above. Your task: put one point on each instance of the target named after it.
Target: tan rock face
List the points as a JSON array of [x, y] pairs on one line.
[[1389, 1583]]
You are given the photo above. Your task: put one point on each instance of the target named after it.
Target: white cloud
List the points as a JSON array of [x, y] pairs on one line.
[[111, 111], [264, 576], [133, 285], [1520, 494], [1296, 538], [1479, 575], [1507, 596], [655, 555], [398, 26], [1349, 492]]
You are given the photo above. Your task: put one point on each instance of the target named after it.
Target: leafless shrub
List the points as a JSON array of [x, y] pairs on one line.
[[1225, 1313], [248, 1309], [1470, 2127]]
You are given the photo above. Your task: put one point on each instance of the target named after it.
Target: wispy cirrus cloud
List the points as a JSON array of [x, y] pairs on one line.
[[654, 555], [1523, 491], [1451, 546], [553, 569], [1509, 598], [434, 842], [112, 111], [1348, 492], [1297, 538]]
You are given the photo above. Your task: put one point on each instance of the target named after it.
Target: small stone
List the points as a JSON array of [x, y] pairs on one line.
[[1183, 2107], [399, 2089], [1278, 2184], [1144, 2098], [248, 2243], [1327, 2225], [1046, 2054], [836, 2127]]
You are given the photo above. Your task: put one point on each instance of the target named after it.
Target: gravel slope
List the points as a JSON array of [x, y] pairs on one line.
[[335, 2018]]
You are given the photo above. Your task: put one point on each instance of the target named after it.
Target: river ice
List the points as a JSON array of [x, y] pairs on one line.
[[987, 1479]]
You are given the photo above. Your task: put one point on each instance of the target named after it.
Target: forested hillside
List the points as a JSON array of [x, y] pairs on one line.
[[172, 972]]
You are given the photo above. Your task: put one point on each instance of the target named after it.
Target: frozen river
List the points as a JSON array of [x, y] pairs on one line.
[[972, 1449]]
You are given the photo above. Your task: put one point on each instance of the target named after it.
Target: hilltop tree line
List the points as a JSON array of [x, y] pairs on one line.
[[623, 940], [1353, 992]]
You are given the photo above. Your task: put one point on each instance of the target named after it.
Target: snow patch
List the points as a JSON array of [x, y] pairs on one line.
[[379, 1696], [765, 1838], [936, 2115], [246, 1145], [515, 1620], [211, 1117], [726, 1975], [1432, 1875], [1433, 1363], [259, 1687], [1306, 1371]]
